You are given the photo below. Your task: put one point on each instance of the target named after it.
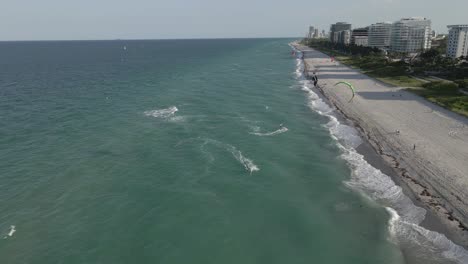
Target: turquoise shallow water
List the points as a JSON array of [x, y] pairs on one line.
[[195, 151]]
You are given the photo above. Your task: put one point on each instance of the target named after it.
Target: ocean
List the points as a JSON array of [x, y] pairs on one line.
[[188, 151]]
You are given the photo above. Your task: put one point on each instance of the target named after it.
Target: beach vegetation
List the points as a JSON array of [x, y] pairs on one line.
[[416, 73], [446, 94]]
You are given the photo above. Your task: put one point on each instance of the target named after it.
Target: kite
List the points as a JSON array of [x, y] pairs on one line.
[[350, 86]]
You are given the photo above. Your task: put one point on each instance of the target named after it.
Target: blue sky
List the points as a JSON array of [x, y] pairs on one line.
[[156, 19]]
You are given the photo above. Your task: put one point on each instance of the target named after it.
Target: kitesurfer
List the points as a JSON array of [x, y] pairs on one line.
[[315, 79]]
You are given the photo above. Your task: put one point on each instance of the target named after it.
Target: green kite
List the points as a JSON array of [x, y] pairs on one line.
[[350, 86]]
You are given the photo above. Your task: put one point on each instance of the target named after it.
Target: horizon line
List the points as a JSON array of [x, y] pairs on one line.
[[140, 39]]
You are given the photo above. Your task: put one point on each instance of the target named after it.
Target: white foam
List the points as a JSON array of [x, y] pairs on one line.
[[11, 232], [177, 119], [254, 128], [248, 164], [405, 217], [276, 132], [162, 113], [428, 245], [380, 187]]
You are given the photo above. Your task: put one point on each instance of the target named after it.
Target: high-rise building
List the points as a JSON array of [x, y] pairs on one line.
[[457, 42], [316, 33], [411, 35], [311, 32], [359, 36], [344, 37], [337, 27], [335, 37], [380, 34]]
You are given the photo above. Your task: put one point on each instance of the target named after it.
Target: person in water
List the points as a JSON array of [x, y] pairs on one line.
[[315, 79]]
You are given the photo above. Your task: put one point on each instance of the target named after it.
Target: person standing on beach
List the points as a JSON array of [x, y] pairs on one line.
[[315, 79]]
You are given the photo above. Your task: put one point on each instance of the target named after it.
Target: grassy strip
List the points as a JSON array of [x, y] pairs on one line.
[[445, 94], [392, 73]]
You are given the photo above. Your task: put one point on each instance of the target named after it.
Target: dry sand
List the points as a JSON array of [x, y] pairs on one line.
[[426, 145]]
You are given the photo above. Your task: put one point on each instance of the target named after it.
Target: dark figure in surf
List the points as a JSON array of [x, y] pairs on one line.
[[315, 79]]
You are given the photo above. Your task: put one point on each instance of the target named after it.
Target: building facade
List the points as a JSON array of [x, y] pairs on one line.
[[411, 35], [311, 32], [316, 33], [360, 36], [336, 28], [380, 35], [457, 42], [361, 41], [344, 37]]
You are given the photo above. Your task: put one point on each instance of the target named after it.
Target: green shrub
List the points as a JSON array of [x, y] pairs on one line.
[[462, 83], [441, 86]]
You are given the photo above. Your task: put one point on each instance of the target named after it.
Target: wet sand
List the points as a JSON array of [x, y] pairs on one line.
[[422, 146]]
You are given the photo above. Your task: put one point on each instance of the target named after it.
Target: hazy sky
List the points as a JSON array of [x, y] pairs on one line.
[[155, 19]]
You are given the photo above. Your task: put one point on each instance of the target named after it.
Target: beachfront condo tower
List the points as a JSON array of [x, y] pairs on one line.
[[311, 32], [360, 36], [411, 35], [380, 34], [457, 43], [335, 29]]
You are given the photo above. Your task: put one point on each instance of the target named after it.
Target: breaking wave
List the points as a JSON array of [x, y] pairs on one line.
[[405, 216]]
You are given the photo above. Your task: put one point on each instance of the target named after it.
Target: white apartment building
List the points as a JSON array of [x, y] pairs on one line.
[[345, 37], [336, 28], [411, 35], [311, 32], [359, 36], [316, 33], [361, 41], [380, 35], [457, 42]]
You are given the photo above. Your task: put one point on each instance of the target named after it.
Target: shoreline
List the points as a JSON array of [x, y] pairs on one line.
[[442, 214]]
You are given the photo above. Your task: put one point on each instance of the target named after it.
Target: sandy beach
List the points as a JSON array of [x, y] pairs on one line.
[[424, 144]]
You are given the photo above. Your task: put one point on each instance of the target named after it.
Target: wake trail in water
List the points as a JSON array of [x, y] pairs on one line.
[[167, 114], [248, 164], [273, 133], [405, 216], [162, 113], [11, 232]]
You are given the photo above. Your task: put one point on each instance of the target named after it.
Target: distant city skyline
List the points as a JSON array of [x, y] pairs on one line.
[[178, 19]]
